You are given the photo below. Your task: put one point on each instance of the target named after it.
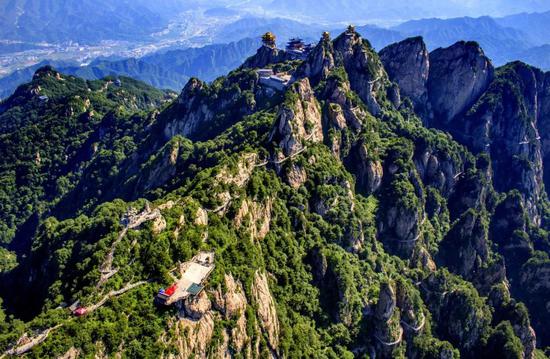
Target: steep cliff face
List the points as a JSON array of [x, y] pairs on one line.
[[408, 63], [267, 313], [266, 55], [543, 124], [504, 123], [502, 113], [459, 75], [202, 110], [319, 63], [298, 120], [365, 71]]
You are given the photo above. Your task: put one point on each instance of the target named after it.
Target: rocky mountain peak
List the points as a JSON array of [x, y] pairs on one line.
[[408, 64], [319, 62], [459, 75]]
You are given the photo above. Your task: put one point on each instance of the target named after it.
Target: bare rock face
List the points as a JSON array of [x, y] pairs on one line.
[[72, 353], [387, 303], [407, 63], [201, 217], [543, 123], [196, 307], [505, 123], [369, 171], [299, 120], [266, 55], [458, 77], [191, 109], [267, 313], [438, 169], [163, 168], [258, 216], [296, 176], [232, 303], [465, 249], [342, 112], [159, 224], [191, 339], [194, 113], [363, 66], [388, 332], [319, 63]]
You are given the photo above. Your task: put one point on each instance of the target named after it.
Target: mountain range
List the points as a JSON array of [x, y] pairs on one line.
[[365, 203], [166, 70], [504, 39]]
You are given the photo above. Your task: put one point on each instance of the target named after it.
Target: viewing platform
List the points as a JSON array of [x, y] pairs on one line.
[[193, 275]]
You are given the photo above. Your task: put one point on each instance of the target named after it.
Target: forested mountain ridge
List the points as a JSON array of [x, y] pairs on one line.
[[386, 205]]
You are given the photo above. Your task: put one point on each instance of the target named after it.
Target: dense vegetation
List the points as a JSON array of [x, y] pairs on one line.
[[365, 249]]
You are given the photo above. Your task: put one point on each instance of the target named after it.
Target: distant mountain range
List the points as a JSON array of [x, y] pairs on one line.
[[522, 37], [168, 70], [517, 37], [78, 20], [387, 11]]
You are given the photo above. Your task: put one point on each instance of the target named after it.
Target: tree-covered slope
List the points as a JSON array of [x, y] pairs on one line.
[[51, 127], [341, 225]]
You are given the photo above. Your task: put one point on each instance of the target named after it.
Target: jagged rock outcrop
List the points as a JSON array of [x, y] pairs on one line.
[[388, 332], [298, 120], [363, 66], [192, 338], [266, 55], [400, 226], [407, 63], [342, 111], [196, 307], [504, 123], [232, 303], [192, 110], [438, 169], [465, 248], [257, 215], [401, 214], [203, 110], [296, 176], [266, 310], [319, 62], [459, 75], [369, 170]]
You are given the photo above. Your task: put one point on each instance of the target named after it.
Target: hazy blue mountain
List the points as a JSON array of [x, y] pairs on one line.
[[207, 62], [167, 70], [387, 11], [256, 26], [380, 37], [536, 25], [499, 42], [85, 21], [537, 56]]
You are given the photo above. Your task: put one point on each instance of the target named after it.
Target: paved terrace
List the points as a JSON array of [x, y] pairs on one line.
[[196, 271]]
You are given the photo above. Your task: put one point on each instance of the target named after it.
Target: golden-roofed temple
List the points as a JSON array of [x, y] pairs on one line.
[[269, 39]]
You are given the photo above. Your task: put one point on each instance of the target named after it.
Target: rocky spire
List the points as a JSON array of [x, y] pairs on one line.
[[408, 64]]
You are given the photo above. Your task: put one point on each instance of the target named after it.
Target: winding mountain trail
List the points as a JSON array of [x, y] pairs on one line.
[[132, 221], [40, 338]]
